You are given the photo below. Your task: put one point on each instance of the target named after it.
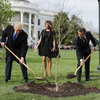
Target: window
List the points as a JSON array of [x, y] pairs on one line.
[[32, 19], [38, 21], [38, 34]]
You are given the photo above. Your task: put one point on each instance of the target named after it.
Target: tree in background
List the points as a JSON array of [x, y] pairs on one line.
[[68, 27], [64, 24], [6, 14], [90, 27]]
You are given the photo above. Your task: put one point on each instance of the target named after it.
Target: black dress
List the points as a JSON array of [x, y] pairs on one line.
[[46, 43]]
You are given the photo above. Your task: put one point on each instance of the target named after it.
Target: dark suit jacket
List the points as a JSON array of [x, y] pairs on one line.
[[82, 47], [19, 46]]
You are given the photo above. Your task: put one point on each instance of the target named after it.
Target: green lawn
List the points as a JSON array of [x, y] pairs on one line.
[[67, 64]]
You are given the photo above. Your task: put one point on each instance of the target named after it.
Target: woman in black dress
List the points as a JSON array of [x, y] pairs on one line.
[[46, 45]]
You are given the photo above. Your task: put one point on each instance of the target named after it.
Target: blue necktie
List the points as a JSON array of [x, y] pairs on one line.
[[14, 36]]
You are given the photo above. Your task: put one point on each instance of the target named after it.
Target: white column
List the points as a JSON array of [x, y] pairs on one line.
[[35, 30], [22, 17], [29, 29]]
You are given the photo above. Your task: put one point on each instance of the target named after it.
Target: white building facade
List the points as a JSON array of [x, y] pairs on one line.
[[32, 18]]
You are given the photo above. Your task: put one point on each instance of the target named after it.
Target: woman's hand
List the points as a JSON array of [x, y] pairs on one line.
[[35, 49], [53, 50]]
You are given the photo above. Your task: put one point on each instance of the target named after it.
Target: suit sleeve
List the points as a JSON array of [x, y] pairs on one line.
[[79, 52], [93, 39], [4, 35], [24, 47]]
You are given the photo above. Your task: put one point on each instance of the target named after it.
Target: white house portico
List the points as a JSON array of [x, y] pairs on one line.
[[32, 18]]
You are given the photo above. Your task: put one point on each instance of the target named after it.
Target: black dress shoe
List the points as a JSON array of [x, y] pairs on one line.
[[5, 81], [88, 80], [26, 81]]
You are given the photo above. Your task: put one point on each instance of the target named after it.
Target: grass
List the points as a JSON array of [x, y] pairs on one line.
[[67, 64]]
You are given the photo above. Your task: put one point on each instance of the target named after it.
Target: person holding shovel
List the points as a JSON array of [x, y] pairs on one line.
[[83, 50], [46, 45], [16, 42]]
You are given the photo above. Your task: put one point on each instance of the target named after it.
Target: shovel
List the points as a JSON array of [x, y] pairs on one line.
[[37, 78], [69, 76]]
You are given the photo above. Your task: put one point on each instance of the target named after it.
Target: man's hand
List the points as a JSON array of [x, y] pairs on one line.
[[3, 44], [22, 60], [81, 62], [95, 48]]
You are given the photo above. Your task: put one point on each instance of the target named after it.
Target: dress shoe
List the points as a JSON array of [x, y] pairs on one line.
[[26, 81], [88, 80], [5, 81], [79, 82]]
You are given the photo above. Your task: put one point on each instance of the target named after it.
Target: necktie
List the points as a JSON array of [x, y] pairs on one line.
[[14, 36], [84, 40]]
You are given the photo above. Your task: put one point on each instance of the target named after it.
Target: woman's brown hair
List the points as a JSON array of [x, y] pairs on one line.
[[50, 25]]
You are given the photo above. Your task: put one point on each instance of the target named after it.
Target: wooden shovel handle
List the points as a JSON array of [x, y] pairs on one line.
[[19, 60], [84, 62]]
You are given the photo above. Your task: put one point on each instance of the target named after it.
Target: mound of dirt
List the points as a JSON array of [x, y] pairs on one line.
[[65, 90]]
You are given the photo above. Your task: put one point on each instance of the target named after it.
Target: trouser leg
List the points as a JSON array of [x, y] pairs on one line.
[[79, 71], [24, 71], [8, 67], [87, 66]]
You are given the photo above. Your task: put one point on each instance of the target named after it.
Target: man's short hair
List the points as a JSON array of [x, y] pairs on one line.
[[18, 25], [82, 30]]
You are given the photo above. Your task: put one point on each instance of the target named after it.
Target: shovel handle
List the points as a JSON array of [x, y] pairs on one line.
[[19, 60], [84, 62]]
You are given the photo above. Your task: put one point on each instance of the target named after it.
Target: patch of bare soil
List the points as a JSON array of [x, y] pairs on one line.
[[65, 90]]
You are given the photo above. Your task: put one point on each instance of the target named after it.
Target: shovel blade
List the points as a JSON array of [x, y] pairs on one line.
[[70, 76]]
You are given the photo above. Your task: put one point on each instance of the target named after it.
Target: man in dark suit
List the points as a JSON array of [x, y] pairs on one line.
[[83, 50], [17, 42]]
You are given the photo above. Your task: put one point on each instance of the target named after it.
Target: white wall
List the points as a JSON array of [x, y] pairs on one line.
[[31, 8]]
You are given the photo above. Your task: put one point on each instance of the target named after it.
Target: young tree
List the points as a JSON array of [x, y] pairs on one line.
[[63, 27]]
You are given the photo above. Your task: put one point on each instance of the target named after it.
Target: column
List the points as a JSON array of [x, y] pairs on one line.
[[22, 17], [35, 30], [29, 35]]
